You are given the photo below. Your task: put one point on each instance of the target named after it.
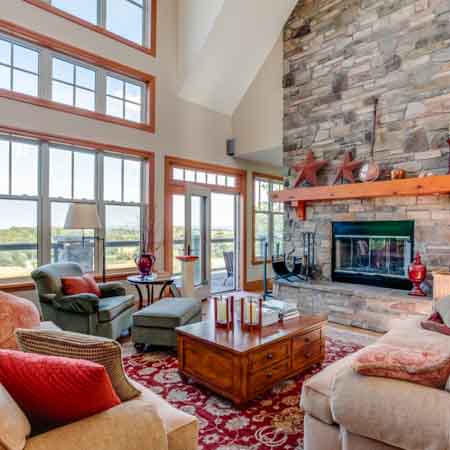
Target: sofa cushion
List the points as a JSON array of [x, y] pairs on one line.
[[181, 428], [14, 425], [316, 392], [110, 308], [400, 414], [99, 350], [429, 368], [55, 391], [168, 313]]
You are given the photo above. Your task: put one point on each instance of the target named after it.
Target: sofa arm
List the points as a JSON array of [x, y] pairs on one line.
[[398, 413], [133, 425], [112, 289], [80, 303]]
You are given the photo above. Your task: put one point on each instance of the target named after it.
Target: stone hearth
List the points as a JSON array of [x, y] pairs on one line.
[[368, 307]]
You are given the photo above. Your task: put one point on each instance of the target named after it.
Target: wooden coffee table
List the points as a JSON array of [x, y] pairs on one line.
[[241, 365]]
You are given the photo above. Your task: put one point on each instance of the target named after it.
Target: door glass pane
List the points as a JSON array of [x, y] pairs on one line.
[[125, 18], [132, 181], [223, 242], [18, 238], [261, 233], [113, 179], [197, 240], [68, 245], [60, 173], [4, 167], [123, 224], [178, 231], [24, 168], [278, 231], [84, 176], [84, 9]]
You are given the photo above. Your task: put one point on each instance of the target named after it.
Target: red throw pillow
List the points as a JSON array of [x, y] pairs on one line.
[[435, 323], [54, 391], [80, 285]]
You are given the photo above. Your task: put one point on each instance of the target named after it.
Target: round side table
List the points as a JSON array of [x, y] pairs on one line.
[[149, 283]]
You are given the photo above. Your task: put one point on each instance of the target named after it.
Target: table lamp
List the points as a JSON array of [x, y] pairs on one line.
[[84, 216]]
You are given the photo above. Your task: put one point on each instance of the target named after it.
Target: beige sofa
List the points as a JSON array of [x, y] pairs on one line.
[[145, 423], [347, 411]]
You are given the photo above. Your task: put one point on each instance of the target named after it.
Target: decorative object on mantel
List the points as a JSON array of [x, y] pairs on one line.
[[347, 168], [417, 273], [371, 171], [224, 312], [398, 174], [307, 170]]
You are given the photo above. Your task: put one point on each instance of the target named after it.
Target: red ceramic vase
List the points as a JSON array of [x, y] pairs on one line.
[[417, 273], [145, 263]]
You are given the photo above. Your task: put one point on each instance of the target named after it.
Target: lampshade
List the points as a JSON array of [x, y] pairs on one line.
[[82, 216]]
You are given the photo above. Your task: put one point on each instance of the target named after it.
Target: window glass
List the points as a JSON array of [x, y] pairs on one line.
[[261, 233], [5, 78], [5, 52], [60, 176], [84, 176], [25, 83], [189, 176], [123, 232], [178, 231], [113, 179], [201, 177], [25, 59], [84, 9], [18, 238], [126, 18], [278, 233], [211, 178], [178, 174], [124, 99], [24, 168], [132, 181], [4, 167]]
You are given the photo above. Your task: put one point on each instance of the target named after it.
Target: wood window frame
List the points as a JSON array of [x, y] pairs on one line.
[[17, 31], [258, 176], [173, 187], [152, 25], [148, 156]]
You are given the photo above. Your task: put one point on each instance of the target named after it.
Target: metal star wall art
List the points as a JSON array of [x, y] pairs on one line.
[[307, 170], [346, 168]]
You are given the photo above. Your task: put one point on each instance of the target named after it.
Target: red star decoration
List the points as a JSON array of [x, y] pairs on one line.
[[307, 169], [346, 168]]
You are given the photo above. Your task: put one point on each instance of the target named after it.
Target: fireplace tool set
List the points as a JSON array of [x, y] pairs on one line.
[[303, 267]]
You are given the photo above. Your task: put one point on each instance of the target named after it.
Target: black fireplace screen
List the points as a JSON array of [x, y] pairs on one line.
[[376, 253]]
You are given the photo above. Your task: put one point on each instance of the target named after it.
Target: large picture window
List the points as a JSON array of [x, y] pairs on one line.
[[40, 180], [131, 21], [268, 218]]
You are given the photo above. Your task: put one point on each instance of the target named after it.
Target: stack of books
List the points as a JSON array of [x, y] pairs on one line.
[[286, 310]]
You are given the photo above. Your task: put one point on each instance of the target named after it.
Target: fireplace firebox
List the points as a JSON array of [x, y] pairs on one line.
[[375, 253]]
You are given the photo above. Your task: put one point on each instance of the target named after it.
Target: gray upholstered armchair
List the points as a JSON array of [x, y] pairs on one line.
[[107, 316]]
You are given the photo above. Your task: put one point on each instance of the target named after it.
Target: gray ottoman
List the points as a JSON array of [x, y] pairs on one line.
[[155, 324]]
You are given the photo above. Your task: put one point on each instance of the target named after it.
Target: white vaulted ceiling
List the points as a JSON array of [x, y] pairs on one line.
[[222, 46]]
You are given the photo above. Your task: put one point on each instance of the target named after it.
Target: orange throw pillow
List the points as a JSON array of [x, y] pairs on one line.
[[428, 368], [80, 285]]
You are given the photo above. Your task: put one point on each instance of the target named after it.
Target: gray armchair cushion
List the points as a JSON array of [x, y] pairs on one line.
[[112, 289], [110, 308], [80, 303]]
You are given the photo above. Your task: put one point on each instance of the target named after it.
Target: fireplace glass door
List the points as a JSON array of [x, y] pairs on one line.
[[363, 254]]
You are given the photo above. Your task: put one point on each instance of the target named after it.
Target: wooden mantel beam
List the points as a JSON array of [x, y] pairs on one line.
[[411, 187]]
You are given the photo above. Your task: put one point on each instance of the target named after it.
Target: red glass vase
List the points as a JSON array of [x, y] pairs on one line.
[[145, 263], [417, 273]]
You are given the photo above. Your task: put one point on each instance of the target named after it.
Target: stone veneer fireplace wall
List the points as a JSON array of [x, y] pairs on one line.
[[339, 56]]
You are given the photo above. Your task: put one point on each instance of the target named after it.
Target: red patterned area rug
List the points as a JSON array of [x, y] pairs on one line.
[[272, 422]]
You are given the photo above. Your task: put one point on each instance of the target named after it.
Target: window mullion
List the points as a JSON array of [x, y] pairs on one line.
[[100, 196], [44, 230], [100, 95], [45, 74], [10, 168], [101, 5]]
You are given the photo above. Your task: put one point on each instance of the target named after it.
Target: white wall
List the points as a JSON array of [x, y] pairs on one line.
[[258, 120]]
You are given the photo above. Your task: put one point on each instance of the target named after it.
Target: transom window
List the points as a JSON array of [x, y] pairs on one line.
[[268, 218], [123, 99], [38, 183], [51, 76], [125, 18], [73, 85], [19, 68], [203, 177]]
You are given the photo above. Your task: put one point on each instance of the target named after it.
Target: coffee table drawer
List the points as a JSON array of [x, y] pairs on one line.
[[307, 339], [263, 379], [268, 356], [305, 354]]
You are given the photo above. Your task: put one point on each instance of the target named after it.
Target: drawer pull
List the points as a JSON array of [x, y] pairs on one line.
[[270, 375], [307, 340], [269, 356], [308, 355]]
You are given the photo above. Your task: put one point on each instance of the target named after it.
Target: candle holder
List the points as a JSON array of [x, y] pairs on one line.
[[224, 312], [251, 313]]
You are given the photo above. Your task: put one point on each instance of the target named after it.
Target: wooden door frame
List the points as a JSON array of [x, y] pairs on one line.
[[173, 187]]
